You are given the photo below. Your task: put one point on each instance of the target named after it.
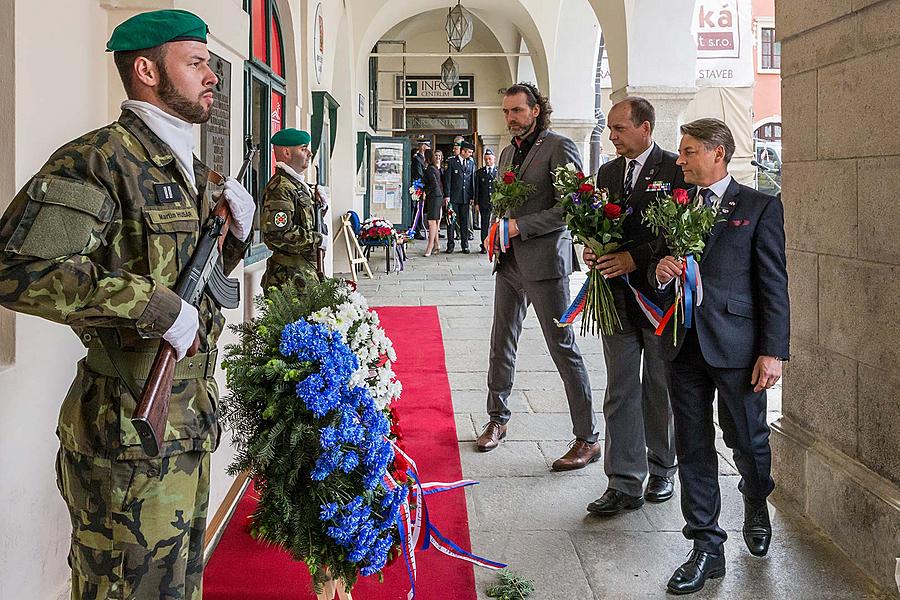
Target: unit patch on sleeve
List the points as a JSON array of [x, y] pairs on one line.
[[280, 219]]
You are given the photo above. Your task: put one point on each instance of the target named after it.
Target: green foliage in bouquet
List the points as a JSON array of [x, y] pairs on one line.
[[313, 443], [510, 192], [684, 224], [510, 586]]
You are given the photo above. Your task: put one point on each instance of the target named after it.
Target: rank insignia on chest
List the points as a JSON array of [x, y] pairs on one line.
[[659, 186], [280, 219], [167, 192]]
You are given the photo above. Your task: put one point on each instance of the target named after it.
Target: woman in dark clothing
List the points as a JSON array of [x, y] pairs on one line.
[[434, 199]]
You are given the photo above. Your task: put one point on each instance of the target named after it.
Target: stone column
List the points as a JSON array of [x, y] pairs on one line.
[[579, 130], [495, 143], [670, 105], [836, 450]]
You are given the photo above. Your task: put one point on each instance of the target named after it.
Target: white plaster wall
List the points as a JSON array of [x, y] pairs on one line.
[[34, 522], [575, 61], [661, 50]]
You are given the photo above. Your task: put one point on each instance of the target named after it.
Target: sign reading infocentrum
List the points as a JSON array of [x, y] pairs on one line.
[[429, 88]]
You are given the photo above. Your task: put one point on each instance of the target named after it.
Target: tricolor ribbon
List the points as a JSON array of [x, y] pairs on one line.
[[686, 286], [497, 237], [411, 232], [653, 313], [577, 306], [414, 524]]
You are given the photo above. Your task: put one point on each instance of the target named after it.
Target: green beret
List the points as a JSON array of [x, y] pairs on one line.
[[291, 137], [151, 29]]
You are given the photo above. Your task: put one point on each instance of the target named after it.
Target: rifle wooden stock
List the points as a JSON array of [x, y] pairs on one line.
[[152, 410]]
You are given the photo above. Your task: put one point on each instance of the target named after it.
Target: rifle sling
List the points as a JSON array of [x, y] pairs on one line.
[[109, 341]]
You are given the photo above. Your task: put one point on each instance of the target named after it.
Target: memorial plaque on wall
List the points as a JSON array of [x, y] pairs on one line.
[[215, 134]]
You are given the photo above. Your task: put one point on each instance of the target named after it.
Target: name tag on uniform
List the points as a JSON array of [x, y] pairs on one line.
[[167, 192]]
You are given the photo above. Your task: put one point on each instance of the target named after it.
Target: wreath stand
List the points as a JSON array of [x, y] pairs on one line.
[[332, 587], [354, 251]]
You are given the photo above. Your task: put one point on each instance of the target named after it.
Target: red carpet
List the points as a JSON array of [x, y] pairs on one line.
[[242, 569]]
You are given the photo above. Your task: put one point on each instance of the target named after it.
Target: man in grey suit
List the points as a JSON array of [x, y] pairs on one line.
[[640, 436], [535, 270]]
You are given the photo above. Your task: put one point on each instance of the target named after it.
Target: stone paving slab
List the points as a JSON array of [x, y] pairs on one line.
[[555, 401], [472, 401], [510, 459], [548, 557], [553, 502]]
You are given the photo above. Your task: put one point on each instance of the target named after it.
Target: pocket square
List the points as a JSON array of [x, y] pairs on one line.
[[738, 223]]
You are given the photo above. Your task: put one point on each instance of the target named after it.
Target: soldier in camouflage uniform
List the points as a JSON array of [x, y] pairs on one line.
[[96, 240], [287, 220]]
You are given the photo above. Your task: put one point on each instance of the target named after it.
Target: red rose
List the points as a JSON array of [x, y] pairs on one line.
[[612, 211], [586, 188], [681, 196], [509, 177], [579, 175]]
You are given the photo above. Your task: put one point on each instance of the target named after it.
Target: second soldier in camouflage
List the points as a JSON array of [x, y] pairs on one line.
[[287, 220]]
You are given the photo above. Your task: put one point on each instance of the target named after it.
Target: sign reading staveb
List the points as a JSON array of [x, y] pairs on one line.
[[215, 134], [430, 88]]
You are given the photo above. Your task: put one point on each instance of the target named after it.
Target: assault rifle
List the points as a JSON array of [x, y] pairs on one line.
[[320, 207], [204, 274]]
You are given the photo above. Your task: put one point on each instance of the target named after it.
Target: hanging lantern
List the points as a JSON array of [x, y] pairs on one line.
[[459, 27], [449, 73]]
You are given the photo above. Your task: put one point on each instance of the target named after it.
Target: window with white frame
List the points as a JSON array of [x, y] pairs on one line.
[[768, 51]]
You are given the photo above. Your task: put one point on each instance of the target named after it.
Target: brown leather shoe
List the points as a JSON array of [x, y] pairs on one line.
[[491, 436], [580, 454]]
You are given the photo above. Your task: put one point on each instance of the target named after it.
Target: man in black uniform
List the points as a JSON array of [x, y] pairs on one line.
[[460, 192], [484, 187]]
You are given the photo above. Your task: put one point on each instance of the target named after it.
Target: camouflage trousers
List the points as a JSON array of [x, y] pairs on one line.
[[137, 525], [277, 275]]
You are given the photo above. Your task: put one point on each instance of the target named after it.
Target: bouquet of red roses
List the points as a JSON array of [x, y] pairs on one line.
[[595, 220], [509, 194], [376, 229], [685, 226]]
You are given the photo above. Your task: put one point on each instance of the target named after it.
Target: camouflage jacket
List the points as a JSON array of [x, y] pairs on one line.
[[97, 239], [288, 222]]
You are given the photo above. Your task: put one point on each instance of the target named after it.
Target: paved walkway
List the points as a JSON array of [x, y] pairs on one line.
[[534, 519]]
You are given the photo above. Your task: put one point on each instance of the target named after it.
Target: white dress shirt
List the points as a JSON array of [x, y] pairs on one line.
[[641, 160]]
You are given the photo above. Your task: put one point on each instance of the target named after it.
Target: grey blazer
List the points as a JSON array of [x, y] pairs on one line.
[[543, 248]]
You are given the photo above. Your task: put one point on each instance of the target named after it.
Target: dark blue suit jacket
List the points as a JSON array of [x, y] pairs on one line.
[[459, 180], [745, 312]]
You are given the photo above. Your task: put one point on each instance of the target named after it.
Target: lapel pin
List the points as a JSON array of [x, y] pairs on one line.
[[731, 203]]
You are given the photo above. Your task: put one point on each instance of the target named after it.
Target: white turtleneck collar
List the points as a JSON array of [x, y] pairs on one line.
[[176, 133], [290, 171]]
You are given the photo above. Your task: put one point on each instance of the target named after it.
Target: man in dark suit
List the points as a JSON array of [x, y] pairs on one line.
[[459, 192], [417, 171], [735, 347], [639, 433], [535, 270], [484, 187]]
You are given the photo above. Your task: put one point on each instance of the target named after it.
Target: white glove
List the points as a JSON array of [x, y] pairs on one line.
[[242, 207], [183, 331]]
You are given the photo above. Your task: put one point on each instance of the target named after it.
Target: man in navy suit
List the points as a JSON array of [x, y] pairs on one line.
[[735, 346], [640, 438]]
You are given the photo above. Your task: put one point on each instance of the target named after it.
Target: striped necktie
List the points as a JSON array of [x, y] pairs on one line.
[[629, 178], [707, 195]]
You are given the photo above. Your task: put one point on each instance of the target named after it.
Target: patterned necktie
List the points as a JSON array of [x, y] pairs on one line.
[[629, 178], [707, 195]]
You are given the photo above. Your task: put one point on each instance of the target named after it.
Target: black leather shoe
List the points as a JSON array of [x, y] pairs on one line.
[[757, 527], [465, 250], [612, 502], [482, 250], [659, 489], [700, 566], [449, 250]]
